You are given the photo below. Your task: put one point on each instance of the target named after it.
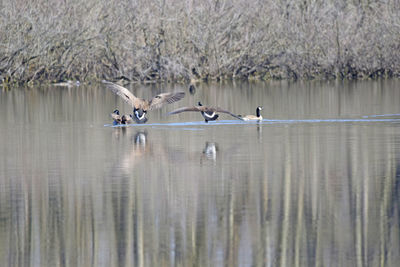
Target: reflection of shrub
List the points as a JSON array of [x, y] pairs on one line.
[[175, 40]]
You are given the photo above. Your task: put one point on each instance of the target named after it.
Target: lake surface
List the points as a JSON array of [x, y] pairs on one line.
[[317, 183]]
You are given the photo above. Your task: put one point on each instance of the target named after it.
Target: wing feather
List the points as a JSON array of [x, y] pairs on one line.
[[165, 98], [124, 93], [184, 109], [217, 109], [115, 117]]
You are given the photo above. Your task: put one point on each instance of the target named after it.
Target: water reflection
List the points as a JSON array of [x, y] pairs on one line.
[[259, 132], [210, 151], [140, 138], [192, 89], [306, 192]]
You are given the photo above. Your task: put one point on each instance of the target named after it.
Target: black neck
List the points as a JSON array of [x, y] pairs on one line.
[[258, 112]]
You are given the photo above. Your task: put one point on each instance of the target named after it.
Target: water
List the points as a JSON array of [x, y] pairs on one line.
[[314, 184]]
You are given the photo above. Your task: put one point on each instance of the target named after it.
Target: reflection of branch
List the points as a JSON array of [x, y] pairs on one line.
[[286, 202], [385, 202]]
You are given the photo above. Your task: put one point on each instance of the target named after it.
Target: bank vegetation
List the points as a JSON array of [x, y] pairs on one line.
[[176, 40]]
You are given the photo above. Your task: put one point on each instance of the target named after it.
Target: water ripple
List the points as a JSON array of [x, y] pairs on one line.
[[382, 115], [365, 119]]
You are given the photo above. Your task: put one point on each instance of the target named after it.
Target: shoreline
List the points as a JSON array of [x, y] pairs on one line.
[[258, 76], [181, 41]]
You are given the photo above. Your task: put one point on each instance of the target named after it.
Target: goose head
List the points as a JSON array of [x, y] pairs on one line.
[[139, 113], [259, 108]]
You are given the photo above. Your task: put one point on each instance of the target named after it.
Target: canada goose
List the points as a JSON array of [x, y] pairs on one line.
[[253, 117], [141, 106], [118, 119], [127, 119], [209, 113]]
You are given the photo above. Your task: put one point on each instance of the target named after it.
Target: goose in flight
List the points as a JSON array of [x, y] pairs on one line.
[[142, 106], [209, 113]]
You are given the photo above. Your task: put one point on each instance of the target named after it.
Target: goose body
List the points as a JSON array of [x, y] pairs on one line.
[[116, 117], [142, 106], [256, 117], [126, 119], [120, 119], [209, 113]]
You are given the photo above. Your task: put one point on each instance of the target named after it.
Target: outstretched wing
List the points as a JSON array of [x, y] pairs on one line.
[[217, 109], [124, 93], [184, 109], [165, 98]]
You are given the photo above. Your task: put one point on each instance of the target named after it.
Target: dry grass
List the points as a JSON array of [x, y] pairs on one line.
[[175, 40]]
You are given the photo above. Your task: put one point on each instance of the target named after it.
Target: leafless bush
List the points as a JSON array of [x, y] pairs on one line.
[[175, 40]]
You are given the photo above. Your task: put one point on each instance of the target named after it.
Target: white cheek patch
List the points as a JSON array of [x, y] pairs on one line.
[[141, 117], [209, 115]]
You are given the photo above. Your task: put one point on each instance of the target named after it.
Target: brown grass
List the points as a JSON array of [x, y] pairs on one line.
[[172, 40]]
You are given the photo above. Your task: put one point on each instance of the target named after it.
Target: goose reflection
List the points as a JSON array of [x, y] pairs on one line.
[[139, 148], [118, 132], [140, 151], [192, 89], [210, 152], [140, 139], [259, 132]]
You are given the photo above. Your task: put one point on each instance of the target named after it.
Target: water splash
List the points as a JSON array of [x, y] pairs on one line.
[[382, 115], [364, 119]]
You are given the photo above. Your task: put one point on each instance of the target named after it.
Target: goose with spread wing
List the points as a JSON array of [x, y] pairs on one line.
[[142, 106], [209, 113]]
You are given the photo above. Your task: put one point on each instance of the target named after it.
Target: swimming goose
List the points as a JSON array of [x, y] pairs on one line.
[[253, 117], [141, 106], [127, 119], [209, 113], [118, 119]]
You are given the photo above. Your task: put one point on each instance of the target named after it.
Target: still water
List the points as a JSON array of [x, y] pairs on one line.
[[316, 183]]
